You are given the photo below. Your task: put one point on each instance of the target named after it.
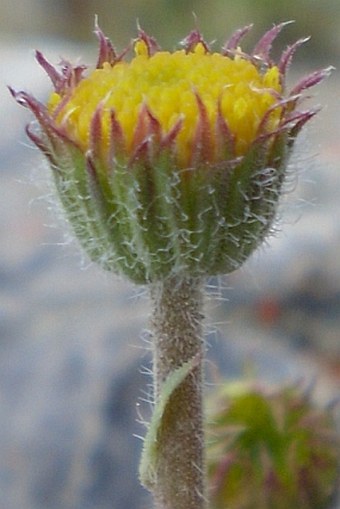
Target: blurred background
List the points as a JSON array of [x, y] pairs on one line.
[[169, 20], [72, 346]]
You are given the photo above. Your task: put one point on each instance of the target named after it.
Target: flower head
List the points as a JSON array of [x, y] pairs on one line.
[[158, 92], [171, 162]]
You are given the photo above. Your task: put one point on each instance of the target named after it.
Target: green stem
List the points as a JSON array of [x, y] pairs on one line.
[[177, 339]]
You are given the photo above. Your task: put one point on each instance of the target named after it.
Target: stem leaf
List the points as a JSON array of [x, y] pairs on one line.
[[147, 466]]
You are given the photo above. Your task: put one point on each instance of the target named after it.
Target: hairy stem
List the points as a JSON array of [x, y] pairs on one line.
[[177, 338]]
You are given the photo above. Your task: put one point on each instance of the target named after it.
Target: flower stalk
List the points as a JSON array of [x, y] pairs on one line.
[[178, 339]]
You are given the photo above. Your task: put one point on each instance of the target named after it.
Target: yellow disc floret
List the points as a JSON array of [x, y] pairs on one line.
[[168, 84]]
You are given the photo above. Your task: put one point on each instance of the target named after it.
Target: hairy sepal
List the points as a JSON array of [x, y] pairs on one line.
[[149, 221]]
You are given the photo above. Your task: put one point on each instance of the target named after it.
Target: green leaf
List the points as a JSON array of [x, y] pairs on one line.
[[147, 467]]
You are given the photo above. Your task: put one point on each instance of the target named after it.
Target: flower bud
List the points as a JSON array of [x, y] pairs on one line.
[[171, 163], [271, 450]]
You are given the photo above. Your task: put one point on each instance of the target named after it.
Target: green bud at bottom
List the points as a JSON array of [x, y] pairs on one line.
[[271, 451]]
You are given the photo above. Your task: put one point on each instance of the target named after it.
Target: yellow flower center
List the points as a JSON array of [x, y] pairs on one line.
[[168, 83]]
